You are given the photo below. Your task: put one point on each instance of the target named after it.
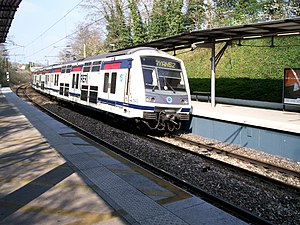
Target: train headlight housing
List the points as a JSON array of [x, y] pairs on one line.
[[150, 99], [184, 101]]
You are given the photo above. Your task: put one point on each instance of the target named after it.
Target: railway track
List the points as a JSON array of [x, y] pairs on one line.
[[262, 165], [225, 203], [21, 91], [213, 199]]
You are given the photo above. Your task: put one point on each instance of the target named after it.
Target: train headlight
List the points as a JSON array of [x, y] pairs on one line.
[[150, 99], [184, 101]]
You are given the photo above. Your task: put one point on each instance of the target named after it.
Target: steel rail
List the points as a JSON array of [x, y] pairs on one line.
[[227, 164], [257, 162]]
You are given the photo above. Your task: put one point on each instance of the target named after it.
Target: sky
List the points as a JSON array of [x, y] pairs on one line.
[[39, 29]]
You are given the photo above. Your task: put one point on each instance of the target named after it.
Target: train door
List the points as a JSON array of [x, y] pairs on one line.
[[75, 85], [126, 92], [109, 87], [114, 86]]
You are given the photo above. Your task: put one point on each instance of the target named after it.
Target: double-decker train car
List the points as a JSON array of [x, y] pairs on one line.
[[144, 84]]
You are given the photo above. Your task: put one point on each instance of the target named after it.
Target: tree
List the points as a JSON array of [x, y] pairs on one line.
[[157, 22], [273, 9], [86, 42], [194, 15], [174, 17], [231, 12], [138, 29]]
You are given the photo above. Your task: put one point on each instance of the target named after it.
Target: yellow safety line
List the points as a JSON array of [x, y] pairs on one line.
[[179, 194], [98, 155], [123, 171], [158, 193]]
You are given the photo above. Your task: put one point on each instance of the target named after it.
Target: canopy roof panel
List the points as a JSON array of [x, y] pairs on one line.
[[7, 12]]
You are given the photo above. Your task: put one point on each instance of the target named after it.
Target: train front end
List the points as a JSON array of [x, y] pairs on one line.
[[167, 92]]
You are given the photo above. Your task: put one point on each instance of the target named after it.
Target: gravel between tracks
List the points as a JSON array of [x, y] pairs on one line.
[[273, 203]]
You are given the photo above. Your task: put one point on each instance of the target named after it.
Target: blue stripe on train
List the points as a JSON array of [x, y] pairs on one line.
[[133, 106]]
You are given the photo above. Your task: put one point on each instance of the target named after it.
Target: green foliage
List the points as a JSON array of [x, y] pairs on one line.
[[174, 17], [118, 30], [195, 14], [15, 76], [251, 69], [231, 12], [134, 24], [138, 29], [157, 26]]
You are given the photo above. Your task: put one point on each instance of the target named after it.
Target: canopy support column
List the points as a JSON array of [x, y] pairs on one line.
[[213, 76]]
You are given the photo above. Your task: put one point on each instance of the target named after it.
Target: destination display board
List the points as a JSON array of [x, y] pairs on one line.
[[291, 87]]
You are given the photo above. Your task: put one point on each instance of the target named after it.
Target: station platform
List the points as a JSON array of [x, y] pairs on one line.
[[266, 118], [49, 174], [273, 132]]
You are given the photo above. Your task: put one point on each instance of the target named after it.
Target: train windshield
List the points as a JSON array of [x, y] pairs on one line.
[[162, 74]]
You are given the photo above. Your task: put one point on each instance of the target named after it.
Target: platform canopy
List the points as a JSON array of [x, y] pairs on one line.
[[256, 30], [8, 9], [209, 37]]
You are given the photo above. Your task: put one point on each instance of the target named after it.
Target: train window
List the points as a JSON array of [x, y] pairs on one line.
[[61, 88], [150, 78], [77, 80], [93, 94], [105, 85], [86, 69], [63, 69], [171, 80], [113, 83], [68, 70], [95, 68], [66, 91], [73, 81], [97, 63], [56, 79], [94, 88]]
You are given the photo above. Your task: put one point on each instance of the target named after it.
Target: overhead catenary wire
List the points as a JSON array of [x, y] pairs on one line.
[[69, 35], [63, 17], [52, 44]]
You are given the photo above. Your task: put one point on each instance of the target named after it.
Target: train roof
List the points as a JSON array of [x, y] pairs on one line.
[[120, 52], [102, 56]]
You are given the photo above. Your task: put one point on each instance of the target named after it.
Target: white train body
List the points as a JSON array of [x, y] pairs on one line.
[[146, 84]]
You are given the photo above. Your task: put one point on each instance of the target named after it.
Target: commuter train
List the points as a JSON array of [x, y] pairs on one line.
[[143, 84]]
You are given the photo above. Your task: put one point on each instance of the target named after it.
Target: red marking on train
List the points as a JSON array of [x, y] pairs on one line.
[[47, 71], [57, 70], [76, 69], [111, 66]]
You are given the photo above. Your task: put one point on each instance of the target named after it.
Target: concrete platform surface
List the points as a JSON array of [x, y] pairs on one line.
[[50, 174], [266, 118]]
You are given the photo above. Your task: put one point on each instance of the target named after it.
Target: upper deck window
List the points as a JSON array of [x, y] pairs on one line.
[[96, 66], [68, 70], [63, 69], [87, 67]]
